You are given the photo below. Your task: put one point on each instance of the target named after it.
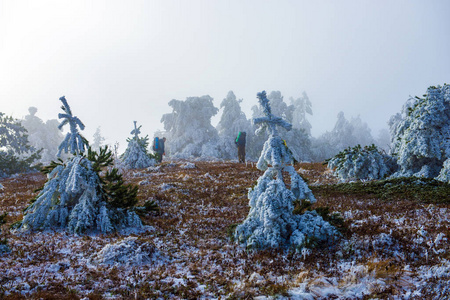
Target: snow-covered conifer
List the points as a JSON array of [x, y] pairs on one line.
[[136, 155], [362, 163], [421, 134], [298, 139], [76, 196], [188, 128], [270, 222]]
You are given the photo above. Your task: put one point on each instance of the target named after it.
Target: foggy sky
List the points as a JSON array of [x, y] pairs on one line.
[[120, 61]]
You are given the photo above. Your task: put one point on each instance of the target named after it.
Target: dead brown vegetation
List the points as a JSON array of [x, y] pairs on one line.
[[197, 208]]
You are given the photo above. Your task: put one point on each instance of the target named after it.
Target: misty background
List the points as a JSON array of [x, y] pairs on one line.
[[120, 61]]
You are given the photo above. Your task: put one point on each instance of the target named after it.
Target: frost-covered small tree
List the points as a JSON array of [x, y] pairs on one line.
[[231, 122], [298, 139], [136, 155], [76, 196], [43, 135], [362, 163], [271, 222], [188, 128], [421, 134]]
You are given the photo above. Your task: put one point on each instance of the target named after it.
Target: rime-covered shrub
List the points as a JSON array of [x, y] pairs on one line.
[[421, 134], [76, 196], [130, 251], [270, 222], [136, 155], [360, 163], [188, 128]]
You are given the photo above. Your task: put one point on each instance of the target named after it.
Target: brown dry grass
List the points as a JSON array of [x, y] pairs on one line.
[[191, 231]]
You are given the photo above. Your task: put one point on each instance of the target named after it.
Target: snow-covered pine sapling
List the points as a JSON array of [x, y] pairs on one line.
[[74, 141], [270, 222], [77, 196], [136, 155], [360, 163]]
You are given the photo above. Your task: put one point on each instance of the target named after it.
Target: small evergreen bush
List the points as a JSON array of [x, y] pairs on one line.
[[360, 163]]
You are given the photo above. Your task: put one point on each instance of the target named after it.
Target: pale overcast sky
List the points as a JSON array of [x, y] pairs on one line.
[[119, 61]]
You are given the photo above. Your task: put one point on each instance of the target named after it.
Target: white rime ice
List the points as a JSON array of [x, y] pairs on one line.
[[73, 198], [131, 251], [135, 156], [421, 134], [270, 222], [359, 163], [188, 128]]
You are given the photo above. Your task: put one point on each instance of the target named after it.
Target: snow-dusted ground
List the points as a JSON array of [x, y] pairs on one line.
[[392, 249]]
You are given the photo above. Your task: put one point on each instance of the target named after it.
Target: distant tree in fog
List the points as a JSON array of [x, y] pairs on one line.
[[231, 122], [344, 134], [16, 153], [45, 136], [383, 140], [188, 128], [98, 139], [302, 106]]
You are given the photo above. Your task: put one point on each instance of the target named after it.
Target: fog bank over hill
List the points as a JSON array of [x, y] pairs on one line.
[[120, 61]]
